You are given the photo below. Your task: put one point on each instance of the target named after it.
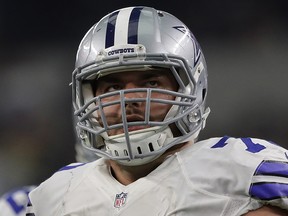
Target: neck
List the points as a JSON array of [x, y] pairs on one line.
[[129, 174]]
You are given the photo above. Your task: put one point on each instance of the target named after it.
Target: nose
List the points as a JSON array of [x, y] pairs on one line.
[[130, 85], [133, 98]]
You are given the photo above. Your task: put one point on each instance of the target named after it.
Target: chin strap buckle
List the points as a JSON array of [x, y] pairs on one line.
[[204, 117]]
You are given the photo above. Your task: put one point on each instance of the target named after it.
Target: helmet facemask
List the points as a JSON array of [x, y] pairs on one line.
[[141, 145]]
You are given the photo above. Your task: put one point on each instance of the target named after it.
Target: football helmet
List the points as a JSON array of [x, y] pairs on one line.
[[131, 39]]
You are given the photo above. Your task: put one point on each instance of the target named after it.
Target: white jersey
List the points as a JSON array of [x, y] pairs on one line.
[[14, 202], [216, 177]]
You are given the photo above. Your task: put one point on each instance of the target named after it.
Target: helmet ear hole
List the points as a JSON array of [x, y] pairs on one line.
[[204, 91]]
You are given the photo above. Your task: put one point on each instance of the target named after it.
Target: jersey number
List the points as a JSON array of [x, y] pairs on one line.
[[251, 146]]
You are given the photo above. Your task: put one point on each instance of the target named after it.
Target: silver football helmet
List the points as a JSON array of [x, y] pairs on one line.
[[131, 39]]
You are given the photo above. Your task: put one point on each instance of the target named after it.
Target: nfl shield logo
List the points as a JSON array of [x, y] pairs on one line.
[[120, 200]]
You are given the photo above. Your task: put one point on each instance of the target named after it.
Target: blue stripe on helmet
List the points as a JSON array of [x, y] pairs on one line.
[[272, 168], [133, 25], [269, 191], [110, 31]]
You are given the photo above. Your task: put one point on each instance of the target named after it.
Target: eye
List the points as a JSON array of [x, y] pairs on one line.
[[114, 87], [152, 84]]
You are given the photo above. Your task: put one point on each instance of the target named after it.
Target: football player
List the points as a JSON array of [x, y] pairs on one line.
[[139, 90], [14, 202]]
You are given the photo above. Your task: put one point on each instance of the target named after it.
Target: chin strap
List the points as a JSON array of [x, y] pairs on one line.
[[141, 144]]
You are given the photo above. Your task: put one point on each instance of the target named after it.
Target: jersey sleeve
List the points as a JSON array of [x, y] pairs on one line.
[[270, 179], [248, 172], [269, 163], [49, 197]]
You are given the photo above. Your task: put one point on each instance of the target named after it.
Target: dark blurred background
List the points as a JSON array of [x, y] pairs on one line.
[[246, 48]]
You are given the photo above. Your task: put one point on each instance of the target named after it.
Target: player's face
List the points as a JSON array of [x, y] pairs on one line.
[[135, 111]]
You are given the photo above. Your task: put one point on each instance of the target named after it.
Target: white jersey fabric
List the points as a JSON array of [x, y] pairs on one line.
[[215, 177], [14, 202]]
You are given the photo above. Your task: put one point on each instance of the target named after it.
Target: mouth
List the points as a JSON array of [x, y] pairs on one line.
[[135, 123], [136, 118]]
